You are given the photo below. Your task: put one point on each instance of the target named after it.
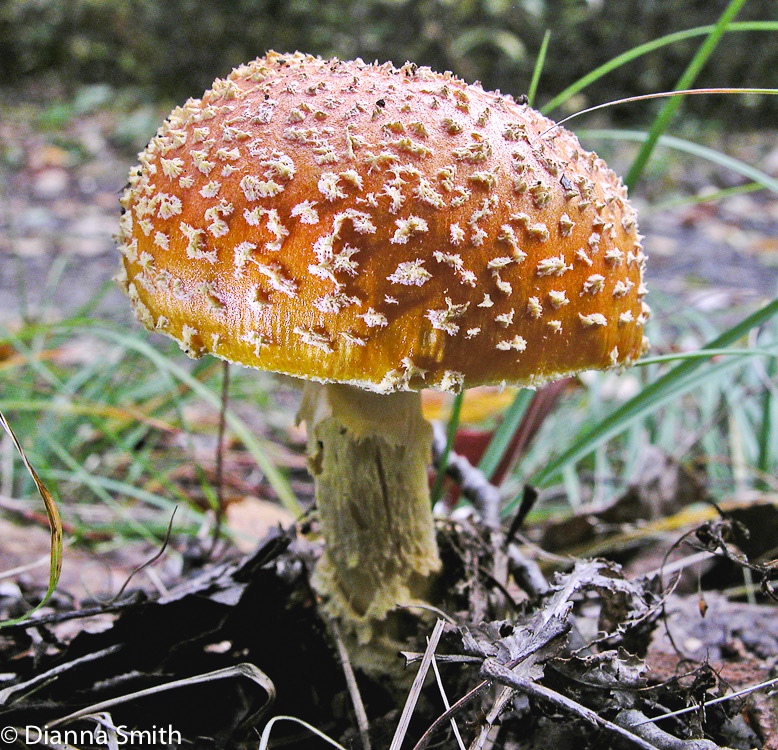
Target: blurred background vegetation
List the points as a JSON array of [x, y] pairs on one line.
[[171, 49]]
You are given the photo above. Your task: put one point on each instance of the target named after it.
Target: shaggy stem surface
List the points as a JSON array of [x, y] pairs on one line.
[[369, 455]]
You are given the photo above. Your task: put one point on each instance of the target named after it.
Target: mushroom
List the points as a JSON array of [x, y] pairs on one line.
[[377, 230]]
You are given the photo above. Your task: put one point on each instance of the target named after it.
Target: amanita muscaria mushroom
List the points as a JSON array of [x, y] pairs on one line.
[[377, 230]]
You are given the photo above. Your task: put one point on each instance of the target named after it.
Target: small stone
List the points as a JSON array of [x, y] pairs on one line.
[[51, 183]]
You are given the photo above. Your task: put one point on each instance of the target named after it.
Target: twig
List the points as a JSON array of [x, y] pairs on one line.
[[413, 695], [353, 689], [493, 670], [633, 719], [666, 592], [678, 565], [712, 702], [471, 480], [134, 600], [412, 657], [531, 648], [528, 499]]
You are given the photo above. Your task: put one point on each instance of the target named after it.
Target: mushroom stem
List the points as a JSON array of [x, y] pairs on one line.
[[369, 454]]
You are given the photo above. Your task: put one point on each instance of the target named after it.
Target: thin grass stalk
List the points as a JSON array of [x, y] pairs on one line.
[[572, 485], [671, 106], [716, 443], [264, 740], [717, 196], [538, 68], [505, 430], [7, 462], [737, 425], [451, 431], [768, 433], [220, 506], [646, 48]]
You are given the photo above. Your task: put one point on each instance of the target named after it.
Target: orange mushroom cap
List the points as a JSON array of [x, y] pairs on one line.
[[390, 228]]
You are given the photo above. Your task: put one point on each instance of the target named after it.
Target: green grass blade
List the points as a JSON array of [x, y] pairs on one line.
[[55, 525], [169, 369], [717, 196], [241, 430], [646, 48], [114, 485], [706, 354], [451, 431], [688, 147], [670, 107], [70, 407], [79, 474], [670, 385], [649, 400], [505, 431], [30, 348], [768, 432], [538, 69]]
